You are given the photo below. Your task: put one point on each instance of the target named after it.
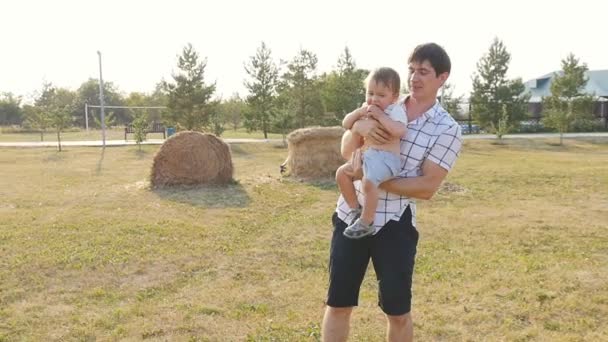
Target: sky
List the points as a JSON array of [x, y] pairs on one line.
[[57, 41]]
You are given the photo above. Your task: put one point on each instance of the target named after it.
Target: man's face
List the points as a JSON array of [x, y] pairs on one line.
[[424, 81], [380, 95]]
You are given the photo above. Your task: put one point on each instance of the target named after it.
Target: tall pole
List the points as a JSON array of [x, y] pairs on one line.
[[86, 115], [103, 115]]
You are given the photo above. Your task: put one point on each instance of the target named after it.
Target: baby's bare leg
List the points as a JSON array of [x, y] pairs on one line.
[[346, 186], [371, 201]]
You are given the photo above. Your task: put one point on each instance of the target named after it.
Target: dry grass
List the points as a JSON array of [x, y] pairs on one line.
[[192, 158], [514, 247]]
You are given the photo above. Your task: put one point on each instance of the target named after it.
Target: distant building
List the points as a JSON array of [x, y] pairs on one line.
[[597, 85]]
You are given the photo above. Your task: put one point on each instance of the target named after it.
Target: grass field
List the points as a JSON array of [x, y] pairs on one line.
[[116, 134], [514, 247]]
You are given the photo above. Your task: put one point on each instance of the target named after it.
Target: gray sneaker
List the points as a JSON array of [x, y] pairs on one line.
[[358, 230], [355, 213]]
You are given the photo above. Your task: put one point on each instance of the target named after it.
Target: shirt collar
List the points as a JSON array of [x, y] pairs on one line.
[[428, 115]]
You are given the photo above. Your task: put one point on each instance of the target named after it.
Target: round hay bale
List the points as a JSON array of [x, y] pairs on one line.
[[191, 158], [314, 152]]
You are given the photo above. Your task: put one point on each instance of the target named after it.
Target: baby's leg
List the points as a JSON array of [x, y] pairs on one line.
[[346, 186], [371, 201]]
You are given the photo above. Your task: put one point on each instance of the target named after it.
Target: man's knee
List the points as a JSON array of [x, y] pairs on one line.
[[339, 312], [400, 320]]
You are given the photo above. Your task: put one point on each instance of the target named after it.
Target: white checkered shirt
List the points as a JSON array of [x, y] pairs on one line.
[[435, 136]]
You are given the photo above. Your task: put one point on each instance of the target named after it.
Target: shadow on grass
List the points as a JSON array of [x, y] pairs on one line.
[[321, 183], [100, 162], [140, 153], [238, 150], [54, 157], [206, 196]]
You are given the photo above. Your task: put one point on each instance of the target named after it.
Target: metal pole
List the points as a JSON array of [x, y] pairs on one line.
[[470, 118], [103, 115], [86, 115], [605, 115]]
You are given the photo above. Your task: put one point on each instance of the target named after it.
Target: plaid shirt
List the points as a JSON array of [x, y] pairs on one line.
[[435, 136]]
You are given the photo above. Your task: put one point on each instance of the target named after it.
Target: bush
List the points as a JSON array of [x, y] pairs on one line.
[[587, 126], [532, 126]]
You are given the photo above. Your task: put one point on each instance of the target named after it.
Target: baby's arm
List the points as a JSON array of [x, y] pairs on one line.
[[352, 117], [395, 128]]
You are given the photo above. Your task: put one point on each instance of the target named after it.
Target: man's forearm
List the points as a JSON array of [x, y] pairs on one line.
[[421, 187], [415, 187]]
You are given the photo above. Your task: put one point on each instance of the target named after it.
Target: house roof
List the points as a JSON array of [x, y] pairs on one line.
[[541, 86]]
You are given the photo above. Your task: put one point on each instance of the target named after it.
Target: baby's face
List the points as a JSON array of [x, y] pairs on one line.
[[380, 95]]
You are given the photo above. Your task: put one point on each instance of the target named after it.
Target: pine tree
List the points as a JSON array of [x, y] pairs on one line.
[[450, 103], [492, 89], [343, 89], [188, 96], [567, 105], [263, 76], [300, 86]]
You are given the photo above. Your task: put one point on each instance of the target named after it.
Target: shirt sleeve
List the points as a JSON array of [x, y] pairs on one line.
[[396, 113], [446, 149]]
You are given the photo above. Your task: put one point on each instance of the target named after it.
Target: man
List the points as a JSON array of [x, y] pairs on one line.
[[428, 151]]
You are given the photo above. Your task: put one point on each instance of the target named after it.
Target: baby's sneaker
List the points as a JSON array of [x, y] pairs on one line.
[[358, 230]]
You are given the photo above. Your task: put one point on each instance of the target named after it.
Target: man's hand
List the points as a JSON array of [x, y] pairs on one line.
[[355, 171]]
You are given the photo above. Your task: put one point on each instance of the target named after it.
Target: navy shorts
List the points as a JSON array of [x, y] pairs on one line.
[[392, 251]]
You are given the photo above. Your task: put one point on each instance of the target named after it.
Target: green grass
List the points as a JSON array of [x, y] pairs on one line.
[[116, 134], [514, 247]]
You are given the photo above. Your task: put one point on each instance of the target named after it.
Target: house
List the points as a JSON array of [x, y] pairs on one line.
[[597, 85]]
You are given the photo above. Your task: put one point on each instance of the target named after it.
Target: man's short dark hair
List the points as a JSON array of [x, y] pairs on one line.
[[387, 76], [435, 54]]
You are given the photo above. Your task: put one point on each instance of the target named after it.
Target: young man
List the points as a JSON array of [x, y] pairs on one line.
[[429, 151]]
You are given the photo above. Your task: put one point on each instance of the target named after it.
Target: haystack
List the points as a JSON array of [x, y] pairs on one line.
[[191, 158], [314, 152]]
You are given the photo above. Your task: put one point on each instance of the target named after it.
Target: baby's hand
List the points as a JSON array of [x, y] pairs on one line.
[[374, 112], [362, 112]]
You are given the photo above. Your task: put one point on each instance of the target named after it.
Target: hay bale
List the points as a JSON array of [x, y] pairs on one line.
[[314, 152], [191, 158]]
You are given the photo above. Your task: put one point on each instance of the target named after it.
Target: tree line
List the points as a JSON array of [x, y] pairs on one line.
[[499, 104], [284, 95]]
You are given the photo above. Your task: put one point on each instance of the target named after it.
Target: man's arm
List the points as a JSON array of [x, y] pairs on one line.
[[421, 187], [435, 167]]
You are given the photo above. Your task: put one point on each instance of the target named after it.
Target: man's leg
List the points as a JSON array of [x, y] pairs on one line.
[[393, 256], [400, 328], [336, 324], [348, 262]]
